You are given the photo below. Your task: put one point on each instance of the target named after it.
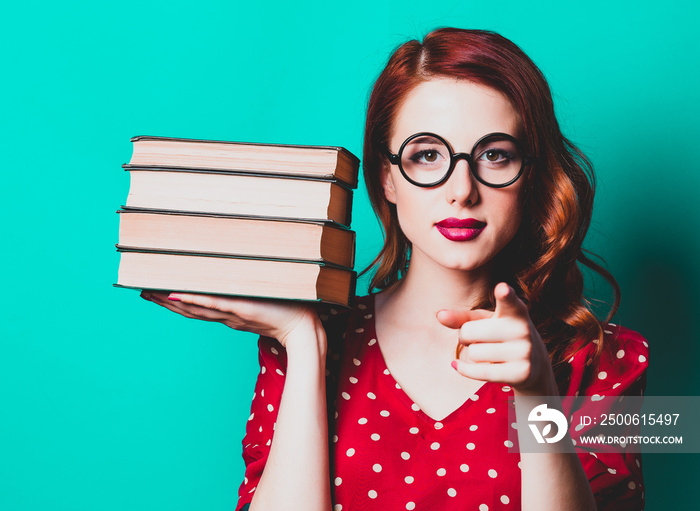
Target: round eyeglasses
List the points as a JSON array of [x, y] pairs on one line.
[[426, 159]]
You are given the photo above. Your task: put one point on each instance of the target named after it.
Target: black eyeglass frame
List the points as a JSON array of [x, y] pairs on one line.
[[395, 159]]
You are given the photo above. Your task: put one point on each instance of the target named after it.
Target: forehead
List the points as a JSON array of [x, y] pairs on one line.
[[458, 110]]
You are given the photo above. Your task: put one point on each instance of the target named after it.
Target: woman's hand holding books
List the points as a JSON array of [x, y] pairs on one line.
[[272, 318]]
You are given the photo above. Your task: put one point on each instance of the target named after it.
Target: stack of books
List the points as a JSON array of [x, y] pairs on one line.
[[245, 219]]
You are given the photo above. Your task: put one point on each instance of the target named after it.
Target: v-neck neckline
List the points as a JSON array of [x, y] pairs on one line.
[[399, 390]]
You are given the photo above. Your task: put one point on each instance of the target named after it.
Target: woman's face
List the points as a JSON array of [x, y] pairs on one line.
[[461, 224]]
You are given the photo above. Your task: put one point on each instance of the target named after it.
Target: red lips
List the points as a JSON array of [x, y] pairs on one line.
[[457, 229]]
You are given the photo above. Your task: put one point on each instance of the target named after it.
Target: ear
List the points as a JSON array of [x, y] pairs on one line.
[[388, 182]]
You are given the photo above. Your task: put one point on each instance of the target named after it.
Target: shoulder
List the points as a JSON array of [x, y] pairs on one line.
[[624, 350], [620, 369], [338, 322]]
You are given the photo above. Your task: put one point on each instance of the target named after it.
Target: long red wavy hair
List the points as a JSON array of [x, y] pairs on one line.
[[541, 262]]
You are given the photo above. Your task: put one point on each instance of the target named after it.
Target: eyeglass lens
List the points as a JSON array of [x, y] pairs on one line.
[[427, 159]]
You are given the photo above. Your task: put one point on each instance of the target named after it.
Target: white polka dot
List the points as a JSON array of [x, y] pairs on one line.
[[405, 455], [263, 370], [520, 465], [338, 481], [415, 407], [371, 395], [612, 470], [642, 359], [335, 439], [361, 306], [452, 492], [333, 311], [323, 317], [356, 362], [375, 436], [620, 354], [270, 408], [363, 420], [359, 330], [279, 371], [493, 474], [274, 351], [617, 385], [505, 499], [464, 467], [441, 472], [338, 507], [646, 345], [409, 479], [262, 392], [435, 446], [398, 386], [483, 507], [251, 416], [571, 360], [384, 413], [491, 410], [471, 446], [637, 462], [352, 379], [260, 429], [345, 395], [372, 494], [602, 375], [579, 427], [514, 425], [350, 452], [474, 397], [508, 444], [410, 506], [386, 371], [597, 397], [438, 425], [372, 342], [473, 427], [413, 431], [377, 467], [506, 388], [631, 485]]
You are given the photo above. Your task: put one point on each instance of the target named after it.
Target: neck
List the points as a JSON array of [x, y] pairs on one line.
[[428, 287]]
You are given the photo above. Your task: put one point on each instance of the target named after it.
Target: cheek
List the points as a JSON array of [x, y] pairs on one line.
[[510, 213]]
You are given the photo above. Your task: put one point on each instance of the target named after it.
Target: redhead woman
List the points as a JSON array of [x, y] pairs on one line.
[[402, 402]]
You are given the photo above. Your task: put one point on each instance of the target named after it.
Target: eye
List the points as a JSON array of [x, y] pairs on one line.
[[496, 156], [429, 156]]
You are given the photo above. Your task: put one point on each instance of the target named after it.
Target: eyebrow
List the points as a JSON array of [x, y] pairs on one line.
[[425, 139]]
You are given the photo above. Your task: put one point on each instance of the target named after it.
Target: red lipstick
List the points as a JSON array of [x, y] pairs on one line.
[[456, 229]]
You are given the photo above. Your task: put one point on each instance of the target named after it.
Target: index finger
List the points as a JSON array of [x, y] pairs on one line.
[[452, 318]]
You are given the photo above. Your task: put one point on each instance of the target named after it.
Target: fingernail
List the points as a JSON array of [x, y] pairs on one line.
[[174, 297], [454, 365]]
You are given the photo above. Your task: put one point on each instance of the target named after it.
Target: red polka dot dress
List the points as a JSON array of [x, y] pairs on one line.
[[386, 453]]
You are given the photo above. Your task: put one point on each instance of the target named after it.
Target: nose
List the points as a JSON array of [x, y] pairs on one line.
[[461, 187]]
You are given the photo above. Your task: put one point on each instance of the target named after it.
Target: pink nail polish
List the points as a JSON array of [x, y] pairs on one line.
[[454, 365], [174, 298]]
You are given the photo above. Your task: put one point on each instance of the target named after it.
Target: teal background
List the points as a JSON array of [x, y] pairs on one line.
[[108, 402]]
